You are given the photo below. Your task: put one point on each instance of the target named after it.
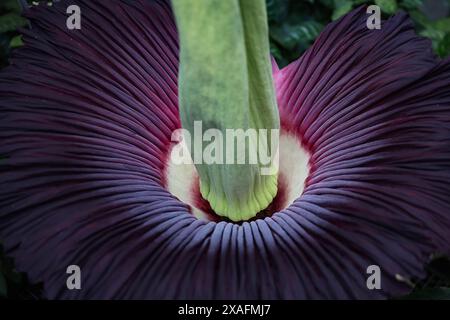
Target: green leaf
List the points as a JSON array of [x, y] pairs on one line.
[[433, 34], [430, 294], [441, 24], [443, 47], [289, 36], [387, 6], [437, 31], [341, 7], [11, 22], [411, 4], [275, 51], [16, 42], [309, 30], [328, 3], [419, 17], [10, 5], [277, 10]]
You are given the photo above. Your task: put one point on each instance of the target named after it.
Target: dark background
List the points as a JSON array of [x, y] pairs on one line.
[[294, 24]]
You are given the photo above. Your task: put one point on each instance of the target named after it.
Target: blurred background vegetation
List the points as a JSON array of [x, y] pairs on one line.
[[10, 21], [294, 24]]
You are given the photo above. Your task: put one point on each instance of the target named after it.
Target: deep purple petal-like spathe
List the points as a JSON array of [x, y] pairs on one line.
[[86, 119], [373, 106]]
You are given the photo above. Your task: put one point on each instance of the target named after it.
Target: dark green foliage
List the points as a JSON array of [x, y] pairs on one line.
[[295, 24], [10, 21]]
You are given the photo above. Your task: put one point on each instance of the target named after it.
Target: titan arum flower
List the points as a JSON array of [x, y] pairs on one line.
[[86, 178]]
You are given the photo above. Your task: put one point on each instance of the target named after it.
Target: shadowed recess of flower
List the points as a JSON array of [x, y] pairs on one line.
[[86, 119]]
